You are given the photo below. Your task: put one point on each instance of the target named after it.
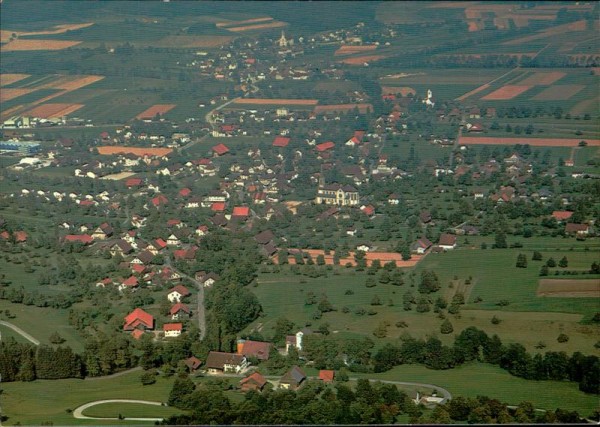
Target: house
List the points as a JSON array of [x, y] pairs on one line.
[[325, 146], [337, 194], [172, 329], [326, 375], [218, 362], [84, 239], [103, 231], [257, 349], [254, 382], [144, 257], [121, 247], [447, 241], [193, 363], [207, 280], [264, 237], [579, 229], [202, 230], [562, 215], [159, 200], [178, 293], [186, 254], [131, 282], [138, 319], [241, 212], [393, 199], [217, 207], [281, 141], [133, 182], [179, 311], [368, 210], [20, 236], [220, 149], [185, 192], [173, 240], [137, 334], [296, 340], [425, 217], [292, 379], [351, 231], [421, 245]]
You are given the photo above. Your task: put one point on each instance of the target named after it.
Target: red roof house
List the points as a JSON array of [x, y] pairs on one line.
[[220, 149], [138, 319], [184, 192], [241, 211], [137, 333], [172, 329], [325, 146], [254, 382], [20, 236], [130, 282], [217, 207], [159, 200], [85, 239], [133, 182], [192, 363], [326, 375], [257, 349], [281, 141], [562, 215]]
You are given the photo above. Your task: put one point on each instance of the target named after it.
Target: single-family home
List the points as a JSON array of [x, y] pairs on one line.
[[172, 329], [254, 382], [178, 293], [193, 363], [257, 349], [421, 245], [138, 319], [219, 362], [179, 311], [447, 241], [292, 379], [326, 375]]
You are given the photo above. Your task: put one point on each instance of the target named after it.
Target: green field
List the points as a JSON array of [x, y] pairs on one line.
[[48, 400], [475, 379], [130, 410]]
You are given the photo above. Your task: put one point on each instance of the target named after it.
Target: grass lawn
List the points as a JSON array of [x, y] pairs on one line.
[[46, 400], [475, 379], [130, 410]]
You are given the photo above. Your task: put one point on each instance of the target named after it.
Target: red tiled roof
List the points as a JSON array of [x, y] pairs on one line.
[[137, 317], [179, 307], [172, 222], [133, 182], [159, 200], [257, 349], [368, 210], [217, 207], [138, 268], [281, 141], [20, 236], [5, 235], [185, 192], [220, 149], [325, 146], [161, 243], [182, 290], [447, 240], [193, 362], [562, 215], [572, 228], [131, 281], [81, 238], [326, 375], [137, 333], [256, 378], [241, 211], [172, 327]]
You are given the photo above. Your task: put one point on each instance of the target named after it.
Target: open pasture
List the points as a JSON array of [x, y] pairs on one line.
[[154, 110], [569, 288], [553, 31], [534, 142], [49, 111]]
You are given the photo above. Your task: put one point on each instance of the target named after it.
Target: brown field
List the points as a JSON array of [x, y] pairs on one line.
[[558, 92], [245, 21], [342, 108], [22, 44], [585, 106], [359, 60], [275, 24], [5, 35], [276, 101], [542, 78], [6, 79], [473, 92], [596, 71], [349, 49], [559, 29], [383, 257], [450, 4], [506, 92], [402, 90], [534, 142], [154, 110], [49, 111], [138, 151], [7, 94], [194, 41], [74, 83], [569, 288]]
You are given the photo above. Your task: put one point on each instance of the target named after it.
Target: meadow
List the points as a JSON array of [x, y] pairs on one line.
[[113, 410]]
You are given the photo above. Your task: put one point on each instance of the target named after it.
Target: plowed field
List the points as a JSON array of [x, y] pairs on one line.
[[506, 92], [154, 110], [138, 151], [542, 78], [6, 94], [276, 101], [49, 111], [23, 44], [569, 288], [534, 142], [6, 79], [558, 92]]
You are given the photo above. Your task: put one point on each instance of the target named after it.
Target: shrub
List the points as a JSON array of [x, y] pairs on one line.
[[495, 320], [562, 338], [446, 327], [148, 378]]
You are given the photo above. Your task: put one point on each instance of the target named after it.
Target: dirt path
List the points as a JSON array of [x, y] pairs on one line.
[[20, 332], [118, 374], [78, 412]]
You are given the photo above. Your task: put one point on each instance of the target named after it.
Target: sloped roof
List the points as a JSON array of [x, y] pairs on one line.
[[326, 375], [281, 141], [294, 376], [138, 314], [182, 290], [220, 149], [257, 349], [172, 327], [179, 307], [264, 237], [447, 240], [256, 378], [217, 359]]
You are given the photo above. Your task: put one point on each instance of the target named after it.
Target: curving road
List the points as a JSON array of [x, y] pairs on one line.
[[78, 412], [20, 332]]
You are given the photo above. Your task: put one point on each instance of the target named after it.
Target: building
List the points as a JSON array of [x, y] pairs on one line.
[[23, 147], [292, 379], [138, 319], [172, 329], [258, 349], [219, 362], [254, 382], [337, 194]]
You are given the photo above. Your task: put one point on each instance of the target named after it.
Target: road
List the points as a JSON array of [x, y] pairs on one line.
[[78, 412], [118, 374], [20, 332], [200, 311]]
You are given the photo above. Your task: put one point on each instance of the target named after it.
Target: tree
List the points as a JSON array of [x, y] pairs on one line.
[[521, 261], [179, 396], [500, 241], [544, 271], [537, 256], [370, 282], [55, 338], [375, 300], [446, 327], [564, 262], [562, 338], [551, 263]]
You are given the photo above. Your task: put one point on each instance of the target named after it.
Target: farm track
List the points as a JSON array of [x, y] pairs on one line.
[[20, 332], [78, 412]]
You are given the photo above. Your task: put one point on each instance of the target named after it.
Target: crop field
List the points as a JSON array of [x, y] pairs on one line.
[[554, 31], [349, 49], [283, 102], [138, 151], [37, 44], [5, 35], [9, 93], [54, 397], [534, 142], [401, 90], [569, 288], [558, 93], [342, 108], [200, 41], [481, 379], [506, 92], [154, 110], [370, 257], [6, 79], [542, 78], [48, 111], [359, 60]]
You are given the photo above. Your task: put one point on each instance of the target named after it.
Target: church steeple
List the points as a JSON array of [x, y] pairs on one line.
[[282, 40]]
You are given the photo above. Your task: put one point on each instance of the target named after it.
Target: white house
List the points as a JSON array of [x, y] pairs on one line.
[[172, 329]]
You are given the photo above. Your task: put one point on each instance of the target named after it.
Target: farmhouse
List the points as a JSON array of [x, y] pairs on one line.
[[178, 293], [421, 245], [84, 239], [138, 319], [447, 241], [218, 362], [579, 229], [257, 349], [179, 311], [254, 382], [337, 194], [172, 329], [220, 149], [292, 379]]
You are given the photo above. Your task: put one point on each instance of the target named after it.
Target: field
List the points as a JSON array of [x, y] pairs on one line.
[[558, 93], [284, 102], [54, 397], [130, 410], [49, 111], [541, 78], [359, 60], [10, 93], [534, 142], [138, 151], [370, 257], [569, 288], [275, 24], [475, 379], [402, 90], [5, 35], [6, 79], [154, 110], [506, 92], [363, 108], [37, 44], [193, 41], [349, 49]]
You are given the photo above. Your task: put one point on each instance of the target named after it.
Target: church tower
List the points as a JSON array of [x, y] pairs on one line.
[[282, 40]]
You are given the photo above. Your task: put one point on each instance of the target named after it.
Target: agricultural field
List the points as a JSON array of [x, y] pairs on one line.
[[151, 112], [534, 142], [569, 288]]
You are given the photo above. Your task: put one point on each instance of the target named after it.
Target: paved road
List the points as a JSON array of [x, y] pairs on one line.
[[20, 332], [208, 120], [78, 412]]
